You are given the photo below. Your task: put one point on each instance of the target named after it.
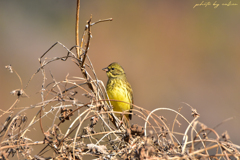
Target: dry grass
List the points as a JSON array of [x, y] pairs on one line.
[[78, 129]]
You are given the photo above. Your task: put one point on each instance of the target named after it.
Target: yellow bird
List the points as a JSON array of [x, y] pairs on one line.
[[118, 88]]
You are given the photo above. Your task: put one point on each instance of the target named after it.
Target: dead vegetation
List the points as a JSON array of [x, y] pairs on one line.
[[78, 129]]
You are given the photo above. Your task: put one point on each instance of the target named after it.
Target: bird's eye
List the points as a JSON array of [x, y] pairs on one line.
[[113, 68]]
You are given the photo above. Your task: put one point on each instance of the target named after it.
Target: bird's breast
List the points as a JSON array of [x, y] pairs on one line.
[[117, 90]]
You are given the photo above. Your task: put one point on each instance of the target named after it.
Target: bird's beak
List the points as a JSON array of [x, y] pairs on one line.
[[105, 69]]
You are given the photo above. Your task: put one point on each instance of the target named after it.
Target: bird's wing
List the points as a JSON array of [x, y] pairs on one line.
[[129, 88]]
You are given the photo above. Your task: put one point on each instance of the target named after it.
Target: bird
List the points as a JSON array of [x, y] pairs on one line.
[[118, 88]]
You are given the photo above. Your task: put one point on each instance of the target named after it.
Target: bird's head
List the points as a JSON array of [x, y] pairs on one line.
[[114, 70]]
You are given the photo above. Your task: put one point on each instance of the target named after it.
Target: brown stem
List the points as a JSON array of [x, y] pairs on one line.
[[77, 28]]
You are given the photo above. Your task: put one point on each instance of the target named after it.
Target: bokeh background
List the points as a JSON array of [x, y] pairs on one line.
[[171, 52]]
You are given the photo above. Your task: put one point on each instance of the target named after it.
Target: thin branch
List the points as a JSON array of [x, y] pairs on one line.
[[77, 28]]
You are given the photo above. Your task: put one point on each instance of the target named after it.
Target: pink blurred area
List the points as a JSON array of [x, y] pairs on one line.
[[171, 52]]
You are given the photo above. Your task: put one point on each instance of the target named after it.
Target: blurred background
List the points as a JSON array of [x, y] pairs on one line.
[[171, 52]]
